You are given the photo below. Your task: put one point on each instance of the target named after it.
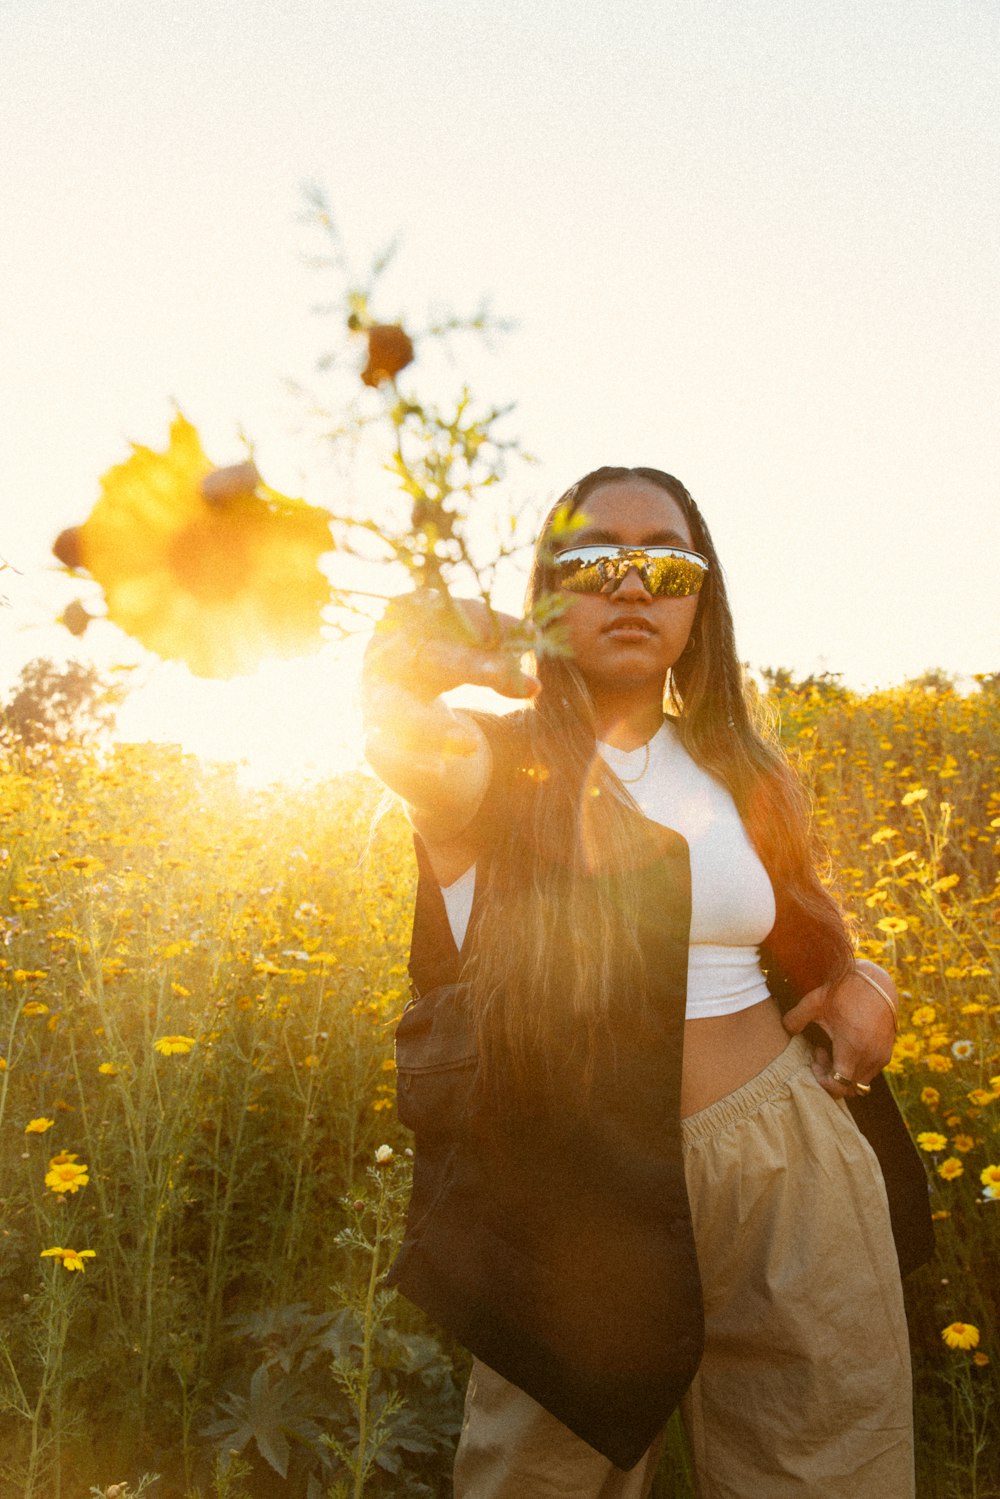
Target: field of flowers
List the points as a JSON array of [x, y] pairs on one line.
[[202, 1175]]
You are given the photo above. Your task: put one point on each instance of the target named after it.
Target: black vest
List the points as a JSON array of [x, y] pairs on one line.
[[557, 1244]]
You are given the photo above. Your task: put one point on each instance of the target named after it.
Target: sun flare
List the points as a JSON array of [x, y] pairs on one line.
[[291, 721]]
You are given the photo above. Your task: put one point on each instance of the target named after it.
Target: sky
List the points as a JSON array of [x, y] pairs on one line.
[[758, 246]]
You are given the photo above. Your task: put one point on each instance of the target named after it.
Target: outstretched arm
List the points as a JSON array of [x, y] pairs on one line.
[[436, 757]]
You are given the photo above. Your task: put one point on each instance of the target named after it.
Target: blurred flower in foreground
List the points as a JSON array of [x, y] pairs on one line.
[[72, 1259], [203, 565]]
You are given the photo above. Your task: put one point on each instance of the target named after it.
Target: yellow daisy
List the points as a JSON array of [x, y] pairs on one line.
[[66, 1176], [173, 1046], [72, 1259], [961, 1335]]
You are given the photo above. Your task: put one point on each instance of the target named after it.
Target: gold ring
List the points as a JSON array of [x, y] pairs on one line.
[[848, 1082]]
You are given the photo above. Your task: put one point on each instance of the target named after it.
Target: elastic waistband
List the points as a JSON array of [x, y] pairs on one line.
[[746, 1100]]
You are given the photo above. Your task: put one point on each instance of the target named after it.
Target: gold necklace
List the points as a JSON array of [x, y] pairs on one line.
[[645, 766]]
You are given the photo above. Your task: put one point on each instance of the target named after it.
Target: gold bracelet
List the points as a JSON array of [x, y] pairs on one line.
[[879, 990]]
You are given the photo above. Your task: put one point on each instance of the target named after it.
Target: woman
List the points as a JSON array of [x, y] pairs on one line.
[[631, 1188]]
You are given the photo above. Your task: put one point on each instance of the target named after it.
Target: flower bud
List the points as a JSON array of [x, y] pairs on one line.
[[68, 547], [390, 349]]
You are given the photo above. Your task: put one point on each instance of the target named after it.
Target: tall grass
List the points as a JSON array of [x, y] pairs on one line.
[[198, 986]]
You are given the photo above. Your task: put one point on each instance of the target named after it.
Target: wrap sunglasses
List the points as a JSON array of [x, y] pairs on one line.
[[666, 572]]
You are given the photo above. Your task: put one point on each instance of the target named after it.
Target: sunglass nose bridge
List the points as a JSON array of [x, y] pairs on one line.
[[623, 567]]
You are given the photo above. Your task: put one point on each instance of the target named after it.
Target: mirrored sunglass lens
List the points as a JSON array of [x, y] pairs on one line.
[[592, 571], [589, 574], [672, 577]]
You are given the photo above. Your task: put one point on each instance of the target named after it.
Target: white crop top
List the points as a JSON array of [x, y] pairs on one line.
[[732, 902]]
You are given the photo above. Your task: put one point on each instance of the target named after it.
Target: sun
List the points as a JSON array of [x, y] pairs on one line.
[[291, 721]]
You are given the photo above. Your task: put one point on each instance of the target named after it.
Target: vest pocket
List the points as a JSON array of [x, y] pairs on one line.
[[436, 1061]]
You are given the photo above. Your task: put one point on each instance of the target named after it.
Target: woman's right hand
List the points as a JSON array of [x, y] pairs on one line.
[[435, 757]]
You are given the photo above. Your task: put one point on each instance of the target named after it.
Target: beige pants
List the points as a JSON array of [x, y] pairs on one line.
[[804, 1389]]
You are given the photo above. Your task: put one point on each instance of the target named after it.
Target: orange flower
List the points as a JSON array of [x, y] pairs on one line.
[[206, 566], [390, 349]]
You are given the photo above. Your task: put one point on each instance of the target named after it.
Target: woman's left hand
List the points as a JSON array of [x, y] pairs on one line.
[[858, 1023]]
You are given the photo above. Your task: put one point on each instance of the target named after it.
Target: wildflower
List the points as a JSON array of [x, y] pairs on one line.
[[980, 1360], [930, 1140], [894, 925], [209, 567], [3, 1064], [951, 1168], [384, 1155], [38, 1126], [924, 1015], [961, 1335], [964, 1143], [916, 795], [72, 1259], [66, 1176], [980, 1097], [990, 1176], [946, 882], [108, 1069], [938, 1063], [963, 1050], [931, 1097], [35, 1007], [907, 1046], [171, 1046]]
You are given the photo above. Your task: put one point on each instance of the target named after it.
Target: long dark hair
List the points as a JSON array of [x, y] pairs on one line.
[[551, 956]]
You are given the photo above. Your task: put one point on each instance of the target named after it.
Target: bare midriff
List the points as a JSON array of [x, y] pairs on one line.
[[722, 1052]]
